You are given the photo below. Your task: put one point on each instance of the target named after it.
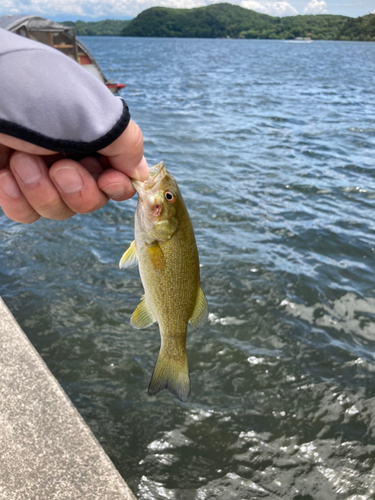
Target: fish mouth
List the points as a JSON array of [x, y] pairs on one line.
[[156, 170], [156, 174]]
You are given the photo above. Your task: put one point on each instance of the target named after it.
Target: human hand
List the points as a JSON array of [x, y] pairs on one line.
[[36, 182]]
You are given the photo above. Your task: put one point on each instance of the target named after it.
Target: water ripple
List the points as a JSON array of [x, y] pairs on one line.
[[273, 147]]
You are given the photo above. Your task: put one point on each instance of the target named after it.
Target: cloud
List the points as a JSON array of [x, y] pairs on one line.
[[84, 8], [120, 8], [176, 4], [89, 8], [315, 7], [271, 8], [283, 9], [252, 5]]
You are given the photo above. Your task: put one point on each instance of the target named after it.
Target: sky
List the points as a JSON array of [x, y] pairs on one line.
[[93, 10]]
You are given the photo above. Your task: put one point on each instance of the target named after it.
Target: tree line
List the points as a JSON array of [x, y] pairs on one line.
[[232, 21]]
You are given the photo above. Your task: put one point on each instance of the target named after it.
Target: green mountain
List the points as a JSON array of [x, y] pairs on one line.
[[361, 28], [226, 20], [109, 27]]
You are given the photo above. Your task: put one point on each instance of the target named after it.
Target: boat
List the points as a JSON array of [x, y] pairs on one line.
[[301, 39], [60, 37]]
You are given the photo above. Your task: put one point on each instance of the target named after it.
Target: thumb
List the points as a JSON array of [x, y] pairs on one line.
[[126, 153]]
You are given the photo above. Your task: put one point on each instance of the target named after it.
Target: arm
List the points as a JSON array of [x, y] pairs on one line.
[[49, 108]]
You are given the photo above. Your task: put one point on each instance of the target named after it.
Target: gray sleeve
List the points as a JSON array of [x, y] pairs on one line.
[[47, 99]]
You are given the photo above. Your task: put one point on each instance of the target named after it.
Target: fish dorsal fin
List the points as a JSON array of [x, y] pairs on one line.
[[142, 316], [129, 259], [200, 313]]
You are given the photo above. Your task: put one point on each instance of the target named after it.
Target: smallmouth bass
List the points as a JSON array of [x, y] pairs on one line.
[[166, 253]]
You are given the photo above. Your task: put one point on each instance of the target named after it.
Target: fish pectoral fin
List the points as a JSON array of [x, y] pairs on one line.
[[200, 313], [172, 374], [156, 256], [129, 259], [142, 316]]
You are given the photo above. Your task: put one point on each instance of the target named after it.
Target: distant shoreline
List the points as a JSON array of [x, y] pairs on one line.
[[231, 21], [221, 38]]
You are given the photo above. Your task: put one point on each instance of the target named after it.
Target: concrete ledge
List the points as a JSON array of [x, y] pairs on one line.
[[47, 452]]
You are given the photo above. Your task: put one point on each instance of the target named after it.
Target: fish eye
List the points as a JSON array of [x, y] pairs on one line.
[[169, 196]]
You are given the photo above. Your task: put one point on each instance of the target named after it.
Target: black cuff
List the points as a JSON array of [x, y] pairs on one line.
[[59, 145]]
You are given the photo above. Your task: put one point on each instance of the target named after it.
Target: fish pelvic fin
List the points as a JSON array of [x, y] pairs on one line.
[[200, 313], [142, 317], [129, 259], [172, 374]]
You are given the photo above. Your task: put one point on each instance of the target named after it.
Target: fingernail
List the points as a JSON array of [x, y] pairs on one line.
[[141, 174], [9, 186], [114, 191], [68, 180], [27, 168]]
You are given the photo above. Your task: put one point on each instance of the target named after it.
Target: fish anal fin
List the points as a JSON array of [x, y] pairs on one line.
[[142, 317], [171, 374], [156, 256], [200, 313], [129, 259]]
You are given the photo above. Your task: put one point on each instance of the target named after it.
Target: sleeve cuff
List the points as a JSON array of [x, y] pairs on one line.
[[67, 146]]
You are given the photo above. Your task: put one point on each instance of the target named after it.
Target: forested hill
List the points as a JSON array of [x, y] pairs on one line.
[[231, 21]]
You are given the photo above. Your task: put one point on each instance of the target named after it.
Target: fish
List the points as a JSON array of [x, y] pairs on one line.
[[166, 253]]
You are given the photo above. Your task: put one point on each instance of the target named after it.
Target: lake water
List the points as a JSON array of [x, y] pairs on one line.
[[272, 144]]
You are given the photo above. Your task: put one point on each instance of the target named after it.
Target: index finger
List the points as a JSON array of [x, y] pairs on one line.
[[126, 153]]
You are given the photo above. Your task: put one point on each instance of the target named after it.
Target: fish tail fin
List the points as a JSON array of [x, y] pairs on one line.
[[172, 374]]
